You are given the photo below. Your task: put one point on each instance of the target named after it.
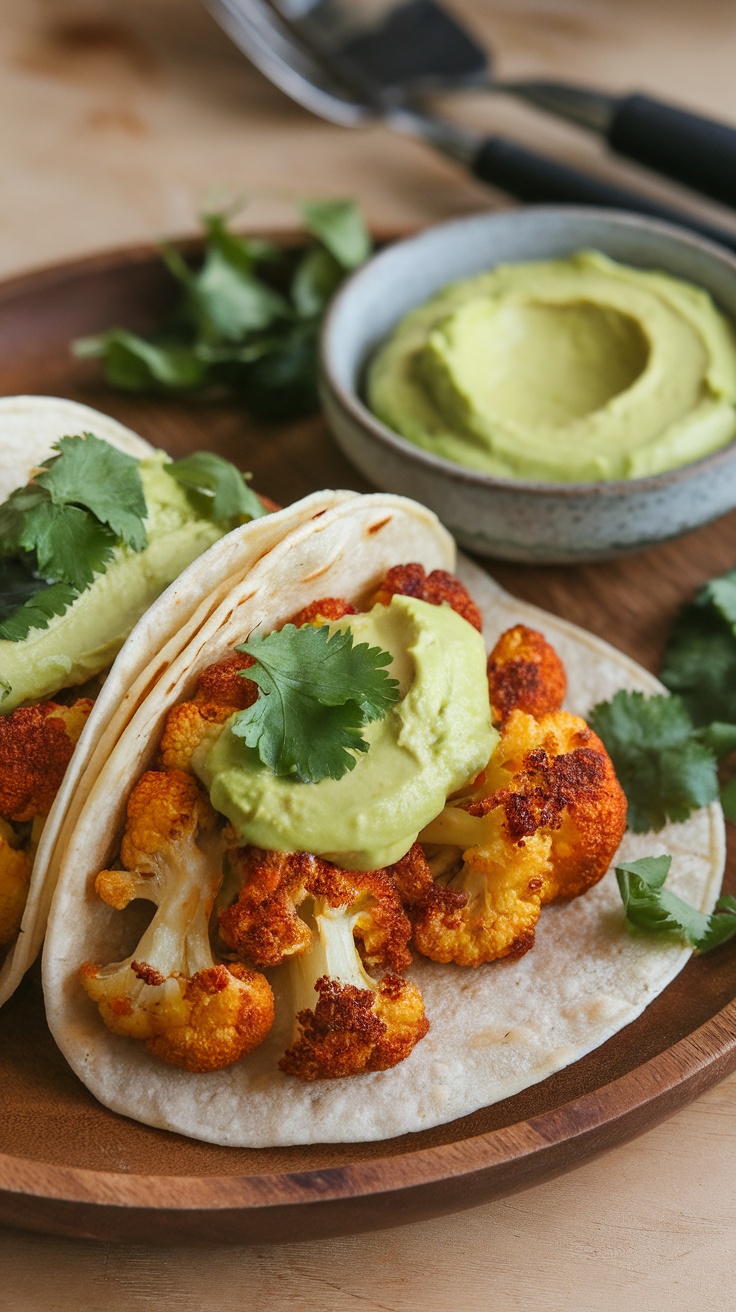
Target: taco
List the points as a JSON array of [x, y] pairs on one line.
[[62, 693], [272, 997]]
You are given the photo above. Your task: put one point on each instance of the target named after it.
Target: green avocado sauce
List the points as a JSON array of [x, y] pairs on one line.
[[436, 737], [86, 638], [569, 370]]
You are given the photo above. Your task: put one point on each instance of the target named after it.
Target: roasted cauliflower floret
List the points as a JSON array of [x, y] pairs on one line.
[[15, 874], [221, 691], [358, 1023], [543, 822], [170, 993], [559, 776], [333, 926], [526, 674], [369, 1026], [265, 927], [435, 588], [323, 611], [36, 745]]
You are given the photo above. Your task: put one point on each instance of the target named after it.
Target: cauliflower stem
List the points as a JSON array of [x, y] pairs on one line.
[[170, 993]]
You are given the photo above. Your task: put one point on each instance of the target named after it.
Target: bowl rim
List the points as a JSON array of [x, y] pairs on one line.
[[350, 399]]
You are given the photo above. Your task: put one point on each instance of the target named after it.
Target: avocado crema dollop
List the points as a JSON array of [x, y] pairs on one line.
[[568, 370], [436, 738], [85, 639]]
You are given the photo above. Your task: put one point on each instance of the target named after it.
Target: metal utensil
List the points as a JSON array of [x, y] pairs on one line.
[[393, 51], [272, 45]]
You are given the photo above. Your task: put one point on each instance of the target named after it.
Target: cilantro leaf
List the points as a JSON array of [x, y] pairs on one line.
[[61, 530], [35, 613], [651, 907], [700, 663], [317, 276], [663, 766], [223, 299], [247, 317], [317, 691], [98, 477], [71, 546], [728, 800], [136, 365], [21, 502], [340, 228], [19, 581], [220, 490]]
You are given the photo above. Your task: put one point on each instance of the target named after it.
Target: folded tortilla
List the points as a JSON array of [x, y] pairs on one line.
[[28, 428], [495, 1029]]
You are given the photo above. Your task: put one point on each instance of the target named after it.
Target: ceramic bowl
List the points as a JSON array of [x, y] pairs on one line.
[[508, 518]]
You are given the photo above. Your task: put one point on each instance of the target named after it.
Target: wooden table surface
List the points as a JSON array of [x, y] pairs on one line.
[[119, 123]]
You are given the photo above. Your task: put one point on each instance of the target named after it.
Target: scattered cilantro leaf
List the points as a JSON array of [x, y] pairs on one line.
[[728, 800], [226, 300], [317, 691], [35, 613], [340, 228], [98, 477], [700, 663], [220, 490], [136, 365], [247, 317], [721, 594], [317, 276], [663, 766], [651, 907], [719, 737]]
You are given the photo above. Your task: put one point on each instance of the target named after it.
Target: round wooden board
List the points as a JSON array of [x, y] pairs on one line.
[[69, 1166]]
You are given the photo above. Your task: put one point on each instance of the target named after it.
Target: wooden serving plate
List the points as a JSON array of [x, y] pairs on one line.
[[69, 1166]]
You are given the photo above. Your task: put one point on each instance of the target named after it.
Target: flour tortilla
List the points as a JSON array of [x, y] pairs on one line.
[[154, 643], [29, 426], [494, 1030]]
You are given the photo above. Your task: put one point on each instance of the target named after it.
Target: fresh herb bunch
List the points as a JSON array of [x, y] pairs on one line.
[[318, 690], [247, 318], [60, 531], [651, 907]]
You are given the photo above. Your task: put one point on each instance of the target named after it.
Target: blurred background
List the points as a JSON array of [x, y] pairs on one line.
[[120, 121]]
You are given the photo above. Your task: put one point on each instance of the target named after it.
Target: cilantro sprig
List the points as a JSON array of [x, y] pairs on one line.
[[60, 530], [651, 907], [217, 490], [247, 316], [318, 690]]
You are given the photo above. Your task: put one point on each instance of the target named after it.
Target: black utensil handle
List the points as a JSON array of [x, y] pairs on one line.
[[694, 150], [539, 179]]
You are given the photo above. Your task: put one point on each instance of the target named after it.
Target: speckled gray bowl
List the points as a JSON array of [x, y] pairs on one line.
[[508, 518]]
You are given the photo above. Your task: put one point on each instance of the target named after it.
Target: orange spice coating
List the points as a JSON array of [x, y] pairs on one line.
[[565, 782], [438, 587], [264, 926], [15, 875], [526, 674], [36, 745], [221, 690], [353, 1030], [543, 822], [323, 611]]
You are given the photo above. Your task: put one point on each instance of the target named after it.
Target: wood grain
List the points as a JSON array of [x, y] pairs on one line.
[[69, 1166]]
